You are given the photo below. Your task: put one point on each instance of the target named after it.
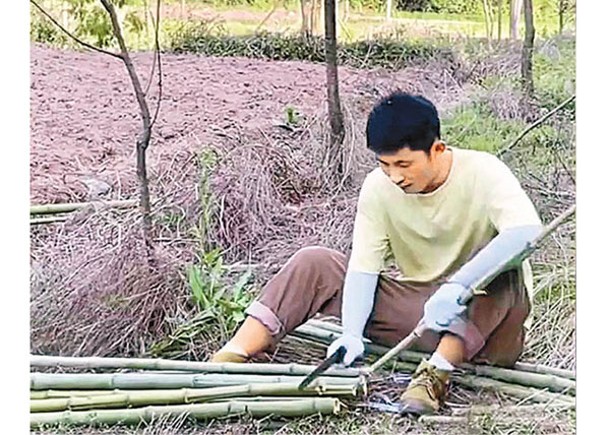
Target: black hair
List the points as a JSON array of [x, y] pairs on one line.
[[402, 120]]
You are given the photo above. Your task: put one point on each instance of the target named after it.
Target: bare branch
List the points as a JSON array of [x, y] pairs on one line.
[[139, 93], [157, 51], [143, 140], [67, 32], [534, 125], [563, 164], [154, 58]]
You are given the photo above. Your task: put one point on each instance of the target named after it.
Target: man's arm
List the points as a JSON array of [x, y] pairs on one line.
[[357, 303], [368, 252], [513, 215]]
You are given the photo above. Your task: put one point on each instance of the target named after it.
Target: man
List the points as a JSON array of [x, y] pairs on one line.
[[445, 217]]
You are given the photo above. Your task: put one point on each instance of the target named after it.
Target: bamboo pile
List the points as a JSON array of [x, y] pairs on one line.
[[142, 389], [52, 213], [174, 388], [527, 382]]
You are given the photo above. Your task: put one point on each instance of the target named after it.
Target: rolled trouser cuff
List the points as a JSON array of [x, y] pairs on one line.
[[472, 338], [264, 315]]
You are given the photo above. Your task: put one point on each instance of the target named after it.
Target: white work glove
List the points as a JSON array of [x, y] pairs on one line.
[[354, 346], [358, 300], [444, 307]]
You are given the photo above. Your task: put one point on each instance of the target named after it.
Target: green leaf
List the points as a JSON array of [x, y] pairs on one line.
[[196, 286]]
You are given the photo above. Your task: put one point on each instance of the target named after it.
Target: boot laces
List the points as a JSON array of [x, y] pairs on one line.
[[428, 379]]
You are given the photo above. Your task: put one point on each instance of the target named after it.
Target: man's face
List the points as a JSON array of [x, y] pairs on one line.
[[413, 171]]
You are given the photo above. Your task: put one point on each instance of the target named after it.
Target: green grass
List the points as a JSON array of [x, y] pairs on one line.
[[362, 24], [475, 127]]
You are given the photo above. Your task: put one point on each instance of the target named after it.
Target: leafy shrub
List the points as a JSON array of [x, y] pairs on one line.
[[42, 30], [212, 40], [220, 307]]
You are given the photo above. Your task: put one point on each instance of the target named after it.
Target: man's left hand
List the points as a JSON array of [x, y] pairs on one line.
[[444, 307]]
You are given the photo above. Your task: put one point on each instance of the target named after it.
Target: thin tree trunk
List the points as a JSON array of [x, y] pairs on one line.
[[268, 15], [65, 17], [146, 18], [305, 14], [388, 10], [526, 65], [561, 15], [316, 12], [499, 18], [515, 12], [337, 127], [488, 21], [143, 140]]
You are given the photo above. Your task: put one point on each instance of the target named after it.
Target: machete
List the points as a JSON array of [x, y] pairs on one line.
[[335, 358]]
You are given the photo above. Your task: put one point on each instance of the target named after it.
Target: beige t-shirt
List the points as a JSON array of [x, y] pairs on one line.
[[430, 236]]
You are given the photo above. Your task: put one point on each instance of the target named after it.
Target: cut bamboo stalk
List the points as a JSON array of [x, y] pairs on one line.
[[316, 323], [128, 381], [69, 207], [547, 370], [273, 389], [553, 382], [138, 398], [519, 391], [56, 394], [47, 220], [324, 405], [191, 366], [537, 380], [516, 390], [518, 409], [313, 333]]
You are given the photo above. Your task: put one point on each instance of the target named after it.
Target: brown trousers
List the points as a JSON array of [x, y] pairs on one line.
[[311, 282]]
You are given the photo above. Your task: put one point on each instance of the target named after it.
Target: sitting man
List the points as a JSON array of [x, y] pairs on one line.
[[445, 217]]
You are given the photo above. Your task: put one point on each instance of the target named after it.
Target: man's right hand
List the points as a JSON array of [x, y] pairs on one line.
[[353, 344]]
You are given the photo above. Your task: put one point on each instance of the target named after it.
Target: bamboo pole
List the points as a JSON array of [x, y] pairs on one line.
[[128, 381], [81, 400], [551, 382], [55, 394], [518, 409], [519, 391], [193, 366], [322, 335], [69, 207], [538, 380], [223, 392], [323, 405], [539, 368], [47, 220]]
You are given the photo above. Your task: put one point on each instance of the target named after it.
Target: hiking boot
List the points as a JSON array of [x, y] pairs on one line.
[[224, 356], [427, 390]]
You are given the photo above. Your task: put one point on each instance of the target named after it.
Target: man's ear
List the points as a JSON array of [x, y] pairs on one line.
[[439, 146]]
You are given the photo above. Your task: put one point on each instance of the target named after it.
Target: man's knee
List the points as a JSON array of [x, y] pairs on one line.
[[313, 256]]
